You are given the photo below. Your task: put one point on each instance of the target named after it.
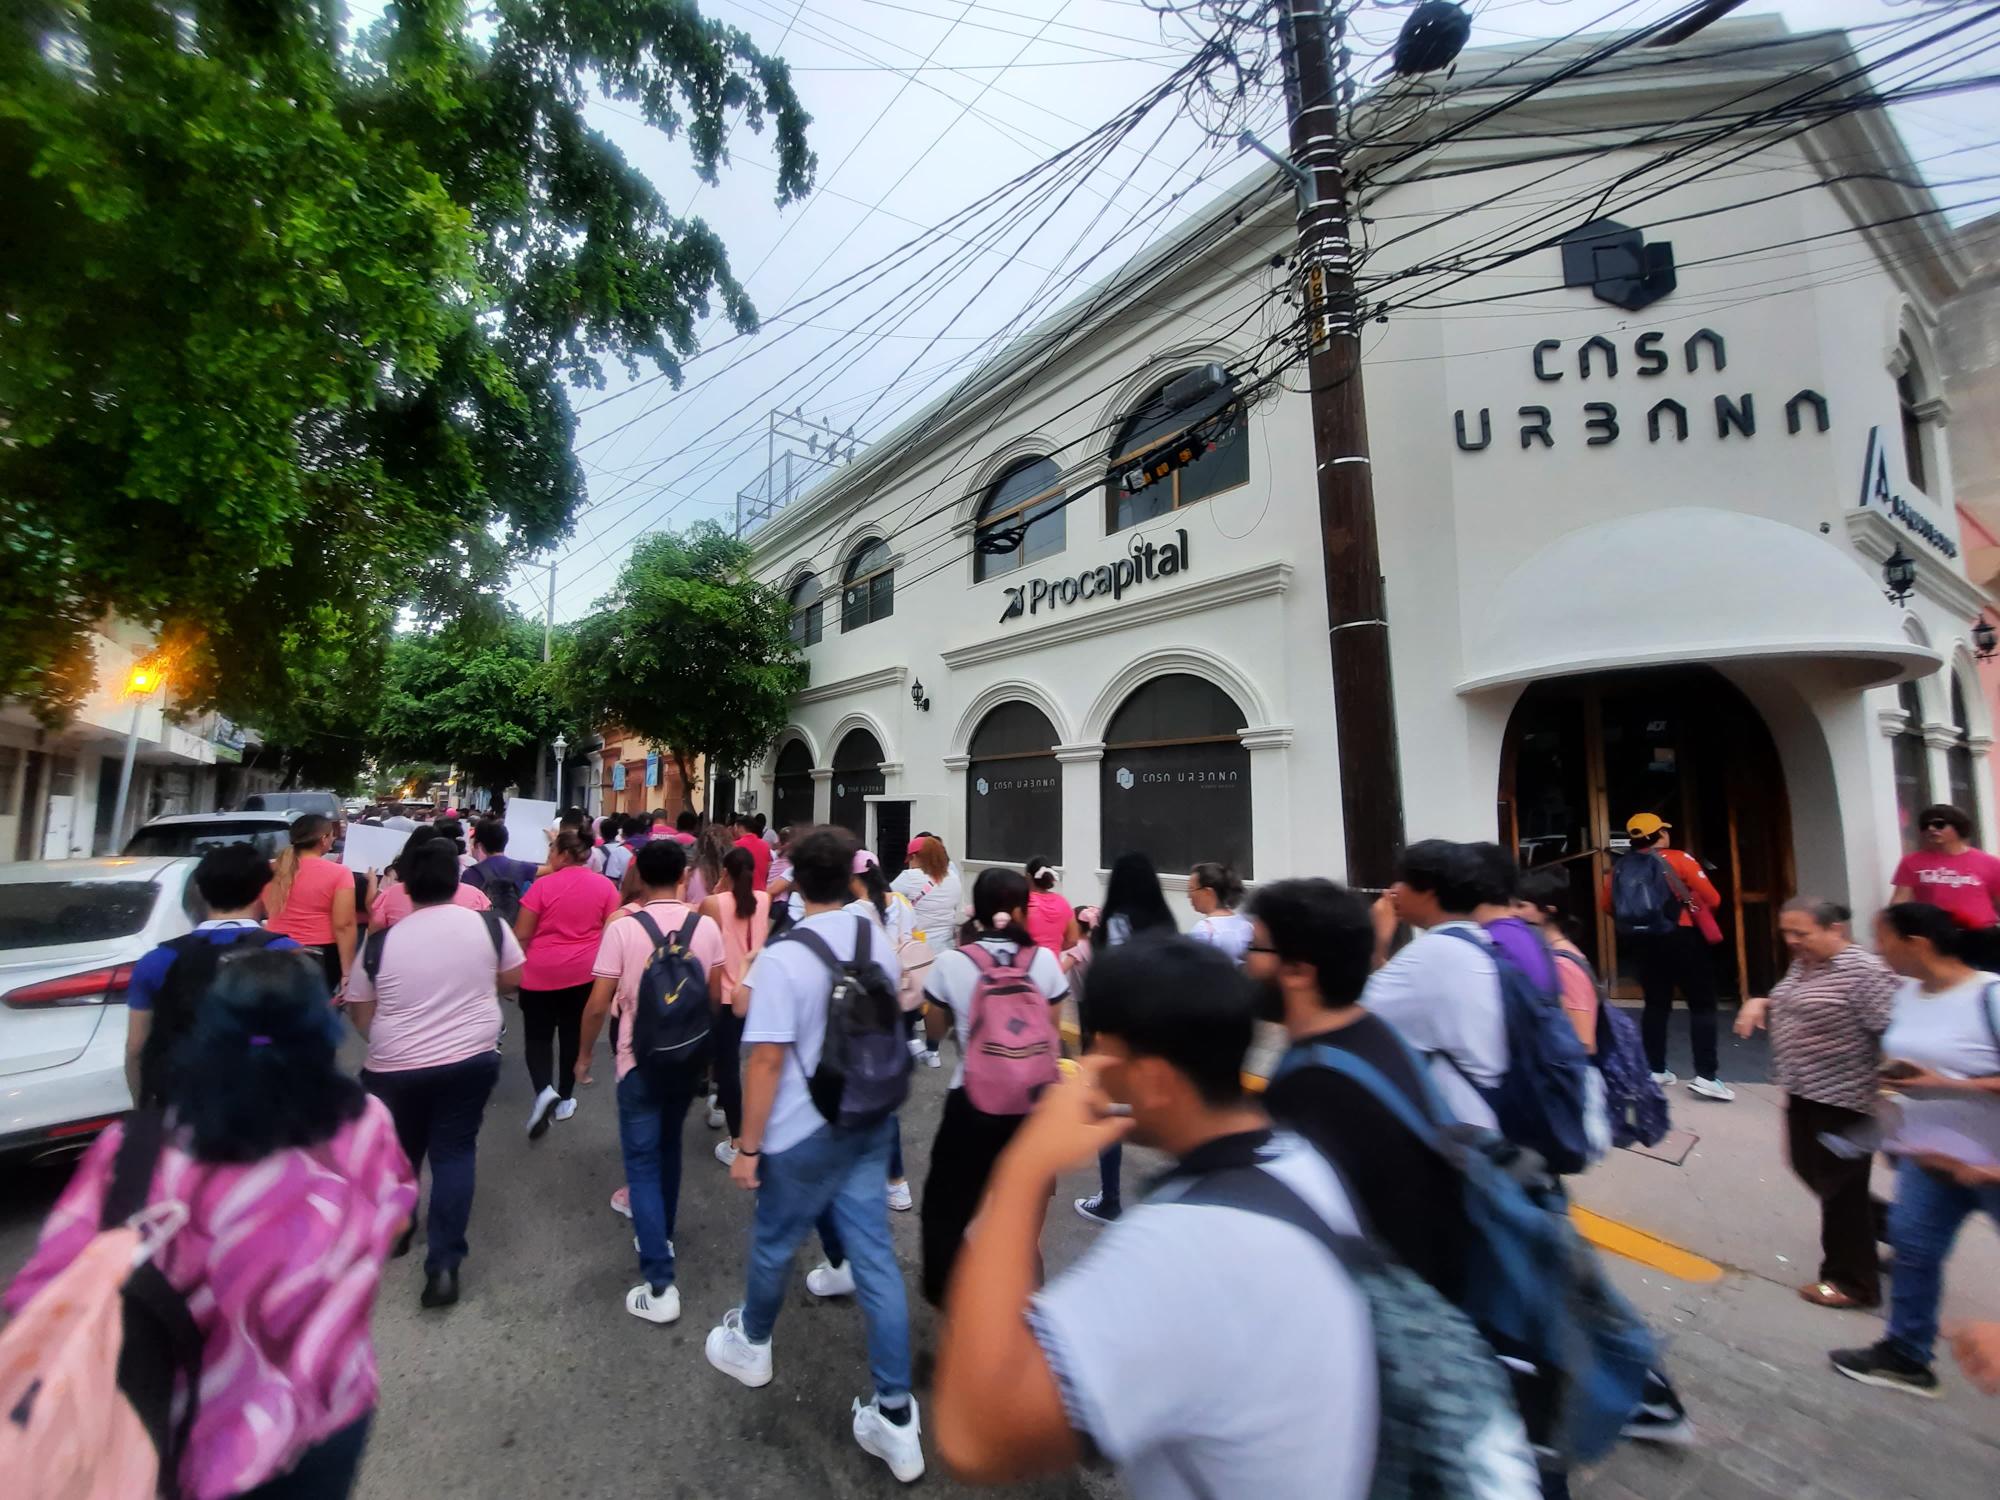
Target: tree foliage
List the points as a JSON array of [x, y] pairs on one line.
[[688, 651], [482, 698], [289, 323]]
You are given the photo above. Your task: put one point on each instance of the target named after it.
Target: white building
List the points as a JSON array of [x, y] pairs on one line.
[[1593, 610]]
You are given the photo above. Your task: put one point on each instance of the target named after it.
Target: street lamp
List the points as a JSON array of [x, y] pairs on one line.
[[561, 745], [1899, 572], [139, 687]]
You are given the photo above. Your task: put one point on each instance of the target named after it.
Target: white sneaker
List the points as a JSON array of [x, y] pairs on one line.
[[1665, 1080], [901, 1448], [655, 1307], [825, 1280], [565, 1109], [725, 1153], [538, 1113], [917, 1047], [733, 1354], [1711, 1088], [899, 1197], [931, 1057]]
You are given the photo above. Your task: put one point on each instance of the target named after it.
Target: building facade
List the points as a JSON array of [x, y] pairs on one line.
[[1633, 529]]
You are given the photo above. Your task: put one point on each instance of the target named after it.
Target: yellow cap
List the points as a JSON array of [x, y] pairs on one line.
[[1645, 825]]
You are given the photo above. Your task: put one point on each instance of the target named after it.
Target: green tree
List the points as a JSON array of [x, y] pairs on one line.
[[290, 323], [481, 698], [687, 651]]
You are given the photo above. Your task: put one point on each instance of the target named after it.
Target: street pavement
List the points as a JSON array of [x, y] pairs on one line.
[[539, 1385]]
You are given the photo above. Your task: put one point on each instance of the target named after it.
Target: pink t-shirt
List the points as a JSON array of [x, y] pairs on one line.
[[1963, 884], [307, 915], [570, 906], [437, 998], [392, 903], [624, 950], [280, 1260], [1049, 916]]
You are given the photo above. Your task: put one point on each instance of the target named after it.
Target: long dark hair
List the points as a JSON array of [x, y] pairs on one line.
[[258, 1073], [996, 891], [741, 869], [1133, 892]]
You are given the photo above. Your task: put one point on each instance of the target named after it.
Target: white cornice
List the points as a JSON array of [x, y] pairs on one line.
[[885, 677], [1230, 588]]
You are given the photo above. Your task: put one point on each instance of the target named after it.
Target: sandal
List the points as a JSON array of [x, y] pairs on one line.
[[1826, 1294]]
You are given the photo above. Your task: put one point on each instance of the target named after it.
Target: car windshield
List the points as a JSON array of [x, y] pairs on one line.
[[193, 838], [43, 914]]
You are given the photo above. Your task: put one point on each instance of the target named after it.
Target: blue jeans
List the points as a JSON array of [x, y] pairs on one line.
[[1923, 1222], [653, 1100], [840, 1172], [437, 1113]]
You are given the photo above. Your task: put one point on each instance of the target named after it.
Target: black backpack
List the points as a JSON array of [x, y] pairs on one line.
[[371, 950], [161, 1347], [863, 1074], [197, 960], [671, 1017]]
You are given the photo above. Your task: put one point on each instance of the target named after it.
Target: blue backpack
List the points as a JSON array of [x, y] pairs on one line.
[[1643, 899], [1637, 1107], [1541, 1100], [671, 1016], [1533, 1288]]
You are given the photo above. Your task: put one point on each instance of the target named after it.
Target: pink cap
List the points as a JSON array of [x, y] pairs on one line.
[[864, 859]]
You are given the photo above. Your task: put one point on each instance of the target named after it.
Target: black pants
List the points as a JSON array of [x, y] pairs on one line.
[[1666, 961], [437, 1113], [545, 1014], [968, 1143], [726, 1038], [1849, 1216]]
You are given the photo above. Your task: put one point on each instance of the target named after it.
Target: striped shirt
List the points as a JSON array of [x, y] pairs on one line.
[[1826, 1020]]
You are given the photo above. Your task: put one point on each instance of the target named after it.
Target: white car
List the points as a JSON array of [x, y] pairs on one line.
[[70, 931]]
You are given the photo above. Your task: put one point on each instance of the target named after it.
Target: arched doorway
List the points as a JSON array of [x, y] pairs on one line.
[[857, 776], [792, 787], [1582, 754]]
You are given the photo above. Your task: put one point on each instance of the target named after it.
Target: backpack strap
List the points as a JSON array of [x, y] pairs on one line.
[[132, 1168]]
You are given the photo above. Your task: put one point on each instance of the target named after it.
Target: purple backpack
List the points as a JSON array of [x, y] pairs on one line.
[[1011, 1044]]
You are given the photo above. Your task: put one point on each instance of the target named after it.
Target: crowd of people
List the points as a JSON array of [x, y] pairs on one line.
[[1355, 1280]]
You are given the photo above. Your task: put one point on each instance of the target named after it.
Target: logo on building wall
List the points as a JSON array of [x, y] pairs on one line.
[[1148, 561], [1875, 493], [1125, 778], [1617, 264]]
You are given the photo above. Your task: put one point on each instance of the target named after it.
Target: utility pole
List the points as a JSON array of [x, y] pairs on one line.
[[548, 641], [1371, 786]]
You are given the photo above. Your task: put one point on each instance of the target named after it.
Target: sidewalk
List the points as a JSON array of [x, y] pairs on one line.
[[1774, 1421]]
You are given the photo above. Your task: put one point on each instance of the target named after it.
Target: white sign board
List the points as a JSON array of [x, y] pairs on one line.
[[370, 848], [528, 825]]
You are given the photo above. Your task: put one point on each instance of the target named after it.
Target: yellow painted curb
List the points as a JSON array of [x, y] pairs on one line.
[[1646, 1249]]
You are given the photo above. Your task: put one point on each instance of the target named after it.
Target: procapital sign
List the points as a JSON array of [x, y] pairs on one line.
[[1147, 561]]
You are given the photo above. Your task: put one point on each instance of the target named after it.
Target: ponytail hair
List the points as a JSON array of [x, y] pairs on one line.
[[739, 867], [1041, 874], [1220, 881], [997, 894], [307, 831]]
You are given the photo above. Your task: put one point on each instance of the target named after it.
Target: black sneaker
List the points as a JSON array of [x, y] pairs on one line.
[[1659, 1416], [1884, 1365]]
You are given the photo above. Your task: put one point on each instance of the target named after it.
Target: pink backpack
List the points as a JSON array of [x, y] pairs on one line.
[[1012, 1045]]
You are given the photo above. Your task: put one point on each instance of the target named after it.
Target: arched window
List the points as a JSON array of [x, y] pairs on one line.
[[1964, 790], [1176, 777], [1906, 750], [1013, 803], [857, 776], [868, 588], [1152, 426], [1020, 520], [792, 787], [1910, 400], [808, 611]]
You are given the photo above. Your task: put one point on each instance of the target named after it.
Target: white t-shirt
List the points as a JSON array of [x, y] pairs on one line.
[[1262, 1383], [953, 978], [1443, 994], [1227, 930], [788, 987], [936, 904], [1945, 1032]]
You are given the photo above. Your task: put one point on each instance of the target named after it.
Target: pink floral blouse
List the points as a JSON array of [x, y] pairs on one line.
[[280, 1260]]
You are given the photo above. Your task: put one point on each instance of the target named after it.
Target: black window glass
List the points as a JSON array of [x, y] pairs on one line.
[[857, 776], [1013, 803], [1153, 424], [1176, 778], [869, 591], [792, 787], [808, 610], [1029, 495]]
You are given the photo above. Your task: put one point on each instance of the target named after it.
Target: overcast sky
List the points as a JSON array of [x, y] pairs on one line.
[[922, 107]]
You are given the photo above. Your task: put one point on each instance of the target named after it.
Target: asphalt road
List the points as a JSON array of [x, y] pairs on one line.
[[540, 1384]]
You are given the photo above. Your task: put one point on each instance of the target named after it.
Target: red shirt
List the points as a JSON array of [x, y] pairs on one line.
[[760, 876], [1963, 884]]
